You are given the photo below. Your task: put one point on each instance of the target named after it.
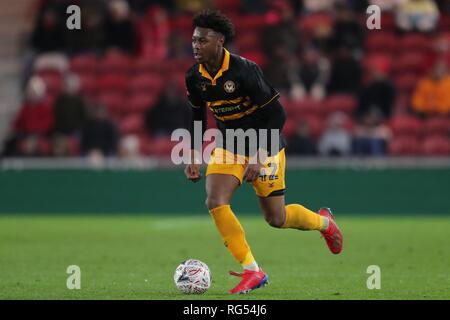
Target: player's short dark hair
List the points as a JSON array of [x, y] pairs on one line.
[[215, 20]]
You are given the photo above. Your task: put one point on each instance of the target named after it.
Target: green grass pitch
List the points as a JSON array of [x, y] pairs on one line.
[[134, 257]]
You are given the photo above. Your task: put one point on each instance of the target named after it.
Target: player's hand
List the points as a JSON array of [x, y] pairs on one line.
[[252, 172], [192, 172]]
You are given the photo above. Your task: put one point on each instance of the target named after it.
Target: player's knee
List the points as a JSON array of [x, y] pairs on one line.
[[275, 221], [214, 202]]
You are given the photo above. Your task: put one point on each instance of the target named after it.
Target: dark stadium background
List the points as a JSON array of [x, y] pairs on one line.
[[86, 115]]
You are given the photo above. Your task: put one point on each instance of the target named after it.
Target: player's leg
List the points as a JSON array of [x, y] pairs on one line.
[[294, 216], [222, 179], [219, 190], [270, 190]]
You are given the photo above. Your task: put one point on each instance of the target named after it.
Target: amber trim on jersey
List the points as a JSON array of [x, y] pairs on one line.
[[243, 113], [223, 68], [237, 115], [271, 99], [224, 102]]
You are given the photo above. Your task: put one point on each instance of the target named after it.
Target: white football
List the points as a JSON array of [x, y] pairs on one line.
[[192, 277]]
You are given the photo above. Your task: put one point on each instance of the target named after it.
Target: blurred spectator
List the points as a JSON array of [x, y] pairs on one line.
[[359, 6], [347, 31], [141, 6], [48, 34], [179, 47], [371, 136], [281, 33], [312, 76], [120, 32], [33, 122], [91, 37], [432, 94], [70, 107], [301, 142], [253, 7], [64, 146], [378, 94], [318, 5], [417, 15], [169, 113], [336, 139], [99, 135], [282, 75], [36, 114], [129, 147], [192, 6], [440, 51], [155, 32], [345, 72], [386, 5]]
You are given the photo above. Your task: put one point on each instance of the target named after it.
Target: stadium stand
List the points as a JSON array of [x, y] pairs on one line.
[[129, 84]]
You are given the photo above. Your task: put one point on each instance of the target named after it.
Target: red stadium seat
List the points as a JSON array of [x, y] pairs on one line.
[[437, 126], [227, 6], [160, 146], [313, 21], [144, 65], [289, 127], [316, 125], [112, 82], [388, 22], [53, 79], [250, 22], [412, 42], [402, 103], [146, 83], [444, 23], [180, 22], [89, 84], [248, 41], [406, 125], [132, 124], [177, 65], [406, 83], [84, 63], [381, 42], [115, 63], [256, 56], [142, 101], [113, 101], [305, 107], [340, 102], [436, 145], [409, 62], [404, 146]]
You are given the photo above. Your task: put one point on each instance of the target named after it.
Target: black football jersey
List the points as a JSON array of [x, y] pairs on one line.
[[235, 95]]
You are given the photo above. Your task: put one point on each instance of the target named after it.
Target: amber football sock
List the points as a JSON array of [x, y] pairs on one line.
[[233, 236], [299, 217]]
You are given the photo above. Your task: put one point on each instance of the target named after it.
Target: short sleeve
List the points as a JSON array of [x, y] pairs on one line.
[[257, 86], [193, 95]]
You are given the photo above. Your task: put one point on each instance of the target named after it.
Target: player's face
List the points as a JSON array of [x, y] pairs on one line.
[[206, 44]]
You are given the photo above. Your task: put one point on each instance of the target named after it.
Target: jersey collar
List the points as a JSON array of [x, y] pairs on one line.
[[223, 68]]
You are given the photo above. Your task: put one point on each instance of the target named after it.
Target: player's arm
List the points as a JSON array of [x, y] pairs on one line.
[[198, 114]]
